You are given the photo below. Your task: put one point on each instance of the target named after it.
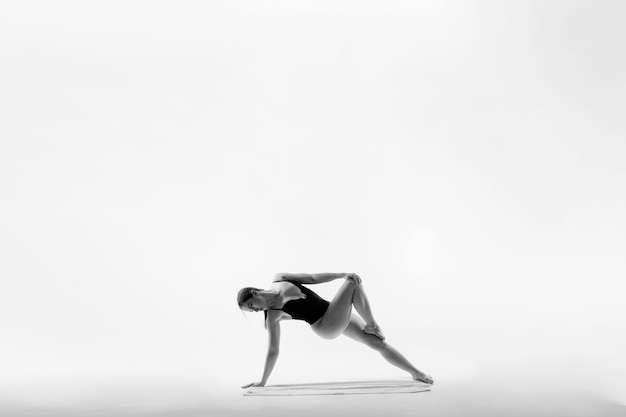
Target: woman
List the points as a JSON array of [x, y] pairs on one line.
[[288, 299]]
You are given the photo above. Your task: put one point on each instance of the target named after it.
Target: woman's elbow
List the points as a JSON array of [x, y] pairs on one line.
[[280, 276]]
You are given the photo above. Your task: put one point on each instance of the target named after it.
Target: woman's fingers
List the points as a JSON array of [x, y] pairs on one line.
[[253, 384], [355, 278]]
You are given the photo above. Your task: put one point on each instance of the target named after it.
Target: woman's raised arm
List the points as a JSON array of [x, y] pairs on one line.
[[309, 278]]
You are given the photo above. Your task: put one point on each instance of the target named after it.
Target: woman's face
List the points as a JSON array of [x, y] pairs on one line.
[[254, 303]]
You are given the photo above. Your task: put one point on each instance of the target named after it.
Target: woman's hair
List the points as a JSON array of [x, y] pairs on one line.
[[244, 295]]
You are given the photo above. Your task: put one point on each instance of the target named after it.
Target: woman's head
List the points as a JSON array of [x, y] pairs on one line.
[[249, 300]]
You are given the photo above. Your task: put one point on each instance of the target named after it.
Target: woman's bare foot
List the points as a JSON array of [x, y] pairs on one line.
[[422, 377], [375, 330]]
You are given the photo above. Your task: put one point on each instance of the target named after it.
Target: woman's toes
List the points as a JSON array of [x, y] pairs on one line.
[[426, 379]]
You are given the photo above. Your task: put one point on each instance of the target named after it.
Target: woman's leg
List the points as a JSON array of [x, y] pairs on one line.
[[354, 330], [362, 305], [339, 312], [337, 317]]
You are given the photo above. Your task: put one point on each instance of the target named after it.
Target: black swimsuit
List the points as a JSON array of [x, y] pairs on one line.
[[309, 309]]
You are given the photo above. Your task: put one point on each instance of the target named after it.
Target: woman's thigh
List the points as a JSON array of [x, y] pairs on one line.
[[337, 316]]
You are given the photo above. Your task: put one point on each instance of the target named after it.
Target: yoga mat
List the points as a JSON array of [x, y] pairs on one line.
[[341, 388]]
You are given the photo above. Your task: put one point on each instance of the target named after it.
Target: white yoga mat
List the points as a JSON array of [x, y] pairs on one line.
[[341, 388]]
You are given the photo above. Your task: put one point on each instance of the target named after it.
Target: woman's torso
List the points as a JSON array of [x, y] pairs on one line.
[[288, 291], [298, 302]]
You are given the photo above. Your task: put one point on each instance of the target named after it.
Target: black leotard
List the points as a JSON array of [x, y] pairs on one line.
[[309, 309]]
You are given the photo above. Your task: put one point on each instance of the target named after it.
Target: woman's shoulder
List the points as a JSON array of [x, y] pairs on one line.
[[285, 281], [285, 277], [276, 315]]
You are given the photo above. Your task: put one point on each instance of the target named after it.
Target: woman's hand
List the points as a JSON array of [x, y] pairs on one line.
[[254, 384], [354, 277]]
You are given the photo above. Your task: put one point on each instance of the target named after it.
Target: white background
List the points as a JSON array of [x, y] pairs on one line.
[[465, 158]]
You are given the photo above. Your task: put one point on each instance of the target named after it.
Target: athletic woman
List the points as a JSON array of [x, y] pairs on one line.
[[288, 299]]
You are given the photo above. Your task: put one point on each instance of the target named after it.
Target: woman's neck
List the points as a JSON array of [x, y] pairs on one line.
[[271, 298]]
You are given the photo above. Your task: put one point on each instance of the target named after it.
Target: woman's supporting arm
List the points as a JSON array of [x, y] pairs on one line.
[[273, 330], [270, 361]]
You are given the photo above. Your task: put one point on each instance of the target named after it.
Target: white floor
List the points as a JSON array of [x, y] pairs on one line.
[[492, 396]]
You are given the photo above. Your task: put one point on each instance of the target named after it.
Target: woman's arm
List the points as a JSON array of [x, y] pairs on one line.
[[309, 278], [273, 329]]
